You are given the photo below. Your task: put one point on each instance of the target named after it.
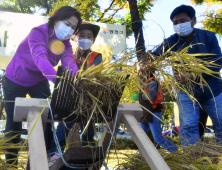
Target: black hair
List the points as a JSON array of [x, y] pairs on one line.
[[189, 10], [64, 13], [94, 34]]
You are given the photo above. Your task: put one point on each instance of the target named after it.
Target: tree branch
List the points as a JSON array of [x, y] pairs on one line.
[[28, 6], [115, 13], [137, 27], [38, 2], [9, 9], [47, 6], [105, 11], [21, 6]]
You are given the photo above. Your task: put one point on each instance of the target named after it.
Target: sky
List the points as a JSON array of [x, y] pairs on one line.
[[160, 17]]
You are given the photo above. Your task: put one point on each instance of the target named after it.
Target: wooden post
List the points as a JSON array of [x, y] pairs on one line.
[[37, 149], [148, 150], [123, 108], [28, 109], [129, 114]]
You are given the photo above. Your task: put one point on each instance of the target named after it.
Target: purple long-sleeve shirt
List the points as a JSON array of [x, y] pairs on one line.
[[33, 61]]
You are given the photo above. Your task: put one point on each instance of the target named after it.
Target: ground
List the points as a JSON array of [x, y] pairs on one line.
[[112, 159]]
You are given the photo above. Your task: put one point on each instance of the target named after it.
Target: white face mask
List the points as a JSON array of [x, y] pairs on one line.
[[63, 32], [183, 29], [85, 44]]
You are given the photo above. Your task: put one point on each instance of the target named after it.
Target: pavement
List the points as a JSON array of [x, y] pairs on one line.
[[120, 134]]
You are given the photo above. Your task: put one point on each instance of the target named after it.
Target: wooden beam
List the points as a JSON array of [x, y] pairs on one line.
[[148, 150], [130, 108], [24, 105], [37, 148], [123, 108], [128, 113], [27, 167]]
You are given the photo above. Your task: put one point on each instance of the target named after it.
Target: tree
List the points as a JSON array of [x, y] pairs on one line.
[[134, 14], [29, 7], [137, 27], [131, 88], [213, 20], [89, 9], [16, 6]]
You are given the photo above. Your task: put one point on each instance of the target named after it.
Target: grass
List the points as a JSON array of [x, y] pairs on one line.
[[111, 160], [22, 159], [116, 157], [203, 156]]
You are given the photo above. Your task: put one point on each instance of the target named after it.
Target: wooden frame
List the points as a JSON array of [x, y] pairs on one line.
[[29, 109], [128, 113], [37, 149]]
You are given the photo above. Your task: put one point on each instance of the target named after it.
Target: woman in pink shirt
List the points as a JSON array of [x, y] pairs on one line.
[[32, 66]]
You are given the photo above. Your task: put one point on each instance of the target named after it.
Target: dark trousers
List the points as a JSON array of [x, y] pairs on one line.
[[13, 90], [202, 122]]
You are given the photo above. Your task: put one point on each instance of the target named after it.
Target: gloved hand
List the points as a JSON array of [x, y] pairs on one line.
[[134, 97]]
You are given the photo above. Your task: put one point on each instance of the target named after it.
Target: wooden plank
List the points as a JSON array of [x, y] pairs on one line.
[[148, 150], [37, 149], [27, 167], [130, 108], [23, 105], [123, 108]]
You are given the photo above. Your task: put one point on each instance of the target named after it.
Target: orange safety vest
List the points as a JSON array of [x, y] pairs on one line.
[[159, 97], [91, 58]]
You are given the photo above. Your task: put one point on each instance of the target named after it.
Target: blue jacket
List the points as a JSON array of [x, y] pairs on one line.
[[209, 45], [153, 87]]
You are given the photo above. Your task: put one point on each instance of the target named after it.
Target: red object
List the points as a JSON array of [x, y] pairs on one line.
[[178, 129], [159, 97], [84, 22]]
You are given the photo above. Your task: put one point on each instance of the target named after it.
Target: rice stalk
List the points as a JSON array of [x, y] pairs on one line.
[[201, 156], [98, 85]]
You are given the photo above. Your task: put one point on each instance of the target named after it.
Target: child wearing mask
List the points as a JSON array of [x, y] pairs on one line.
[[153, 104], [85, 37]]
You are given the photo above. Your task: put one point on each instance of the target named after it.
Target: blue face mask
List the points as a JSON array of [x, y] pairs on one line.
[[183, 29], [63, 32], [85, 44]]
